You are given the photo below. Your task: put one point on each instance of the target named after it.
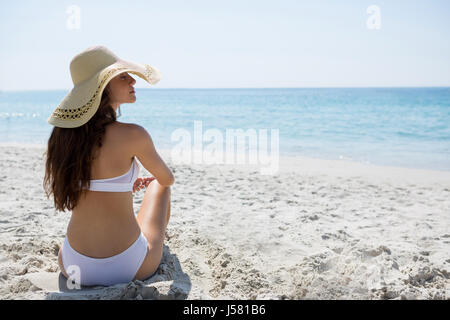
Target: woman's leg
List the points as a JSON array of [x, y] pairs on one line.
[[168, 215], [167, 222], [153, 217]]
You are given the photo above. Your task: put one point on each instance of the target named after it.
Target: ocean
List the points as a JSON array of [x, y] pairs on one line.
[[406, 127]]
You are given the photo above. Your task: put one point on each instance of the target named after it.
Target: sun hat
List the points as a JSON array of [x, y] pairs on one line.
[[91, 70]]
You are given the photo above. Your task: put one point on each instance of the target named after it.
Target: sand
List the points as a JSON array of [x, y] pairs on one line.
[[319, 229]]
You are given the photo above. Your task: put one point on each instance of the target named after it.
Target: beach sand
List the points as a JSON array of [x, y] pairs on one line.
[[319, 229]]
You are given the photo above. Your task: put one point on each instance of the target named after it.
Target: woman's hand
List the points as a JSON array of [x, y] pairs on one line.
[[141, 183]]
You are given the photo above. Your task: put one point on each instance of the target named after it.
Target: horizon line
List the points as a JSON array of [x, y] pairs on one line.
[[242, 88]]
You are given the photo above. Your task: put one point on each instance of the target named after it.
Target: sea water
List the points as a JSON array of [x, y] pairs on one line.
[[408, 127]]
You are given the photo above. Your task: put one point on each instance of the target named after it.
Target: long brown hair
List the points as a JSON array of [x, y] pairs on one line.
[[70, 152]]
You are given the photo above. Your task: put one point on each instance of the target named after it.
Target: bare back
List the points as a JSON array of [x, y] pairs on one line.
[[103, 224]]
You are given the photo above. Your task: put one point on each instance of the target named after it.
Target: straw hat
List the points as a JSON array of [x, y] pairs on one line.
[[91, 70]]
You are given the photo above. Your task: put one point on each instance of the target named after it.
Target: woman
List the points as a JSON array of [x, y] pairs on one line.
[[91, 169]]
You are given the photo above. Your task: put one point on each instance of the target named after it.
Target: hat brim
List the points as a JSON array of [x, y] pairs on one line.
[[82, 102]]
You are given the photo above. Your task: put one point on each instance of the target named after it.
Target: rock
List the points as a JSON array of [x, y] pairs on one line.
[[390, 295], [149, 292]]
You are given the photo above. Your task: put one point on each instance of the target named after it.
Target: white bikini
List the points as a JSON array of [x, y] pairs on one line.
[[120, 268]]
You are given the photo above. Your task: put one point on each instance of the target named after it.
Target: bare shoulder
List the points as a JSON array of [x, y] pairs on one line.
[[134, 132], [135, 137], [140, 144]]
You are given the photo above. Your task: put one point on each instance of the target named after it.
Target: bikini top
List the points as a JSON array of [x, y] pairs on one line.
[[123, 183]]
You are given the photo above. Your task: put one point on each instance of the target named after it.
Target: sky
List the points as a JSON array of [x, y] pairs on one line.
[[232, 44]]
